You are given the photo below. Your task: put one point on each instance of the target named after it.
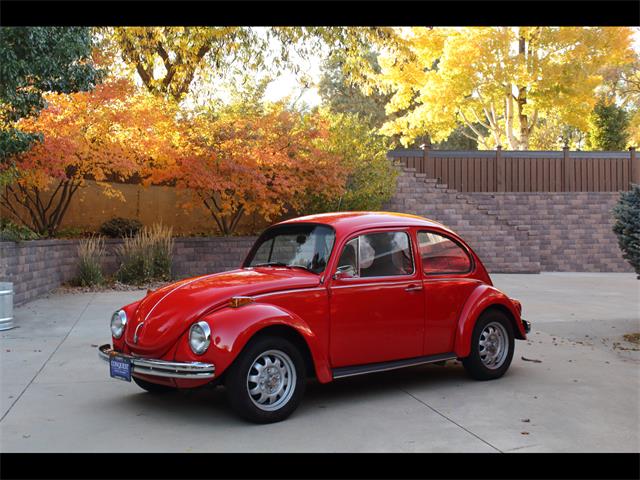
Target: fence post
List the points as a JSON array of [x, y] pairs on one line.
[[566, 170], [500, 170], [428, 161], [634, 165]]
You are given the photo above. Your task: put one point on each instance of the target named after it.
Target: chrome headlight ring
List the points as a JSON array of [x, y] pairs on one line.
[[199, 337], [118, 323]]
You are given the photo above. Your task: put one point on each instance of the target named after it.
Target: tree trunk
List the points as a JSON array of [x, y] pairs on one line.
[[523, 142], [45, 219]]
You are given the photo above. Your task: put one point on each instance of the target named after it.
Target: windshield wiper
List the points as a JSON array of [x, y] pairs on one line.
[[282, 264], [302, 267]]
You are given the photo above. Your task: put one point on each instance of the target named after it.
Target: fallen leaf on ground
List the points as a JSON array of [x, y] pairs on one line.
[[524, 433], [526, 420], [534, 360]]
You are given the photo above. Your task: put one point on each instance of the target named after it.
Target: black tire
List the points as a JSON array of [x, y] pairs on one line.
[[237, 381], [474, 364], [152, 387]]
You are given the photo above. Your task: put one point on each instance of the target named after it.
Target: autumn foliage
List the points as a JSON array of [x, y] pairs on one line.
[[266, 162], [502, 83], [111, 133], [236, 161]]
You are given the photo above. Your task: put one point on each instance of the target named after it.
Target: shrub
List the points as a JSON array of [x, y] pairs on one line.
[[627, 226], [73, 232], [146, 256], [119, 227], [369, 179], [90, 253], [12, 232]]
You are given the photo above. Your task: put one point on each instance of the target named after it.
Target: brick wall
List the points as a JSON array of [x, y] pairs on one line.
[[39, 266], [573, 229], [521, 232]]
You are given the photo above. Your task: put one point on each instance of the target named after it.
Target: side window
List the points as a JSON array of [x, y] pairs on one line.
[[385, 254], [442, 255], [377, 255], [348, 261]]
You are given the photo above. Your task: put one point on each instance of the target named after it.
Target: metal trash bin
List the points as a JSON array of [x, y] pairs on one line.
[[6, 306]]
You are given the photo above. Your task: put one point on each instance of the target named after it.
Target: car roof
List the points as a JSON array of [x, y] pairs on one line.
[[347, 222]]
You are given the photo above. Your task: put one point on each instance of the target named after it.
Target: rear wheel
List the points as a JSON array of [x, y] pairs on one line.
[[266, 382], [152, 387], [492, 345]]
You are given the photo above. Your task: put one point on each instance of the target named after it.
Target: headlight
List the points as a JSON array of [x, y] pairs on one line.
[[199, 337], [118, 322]]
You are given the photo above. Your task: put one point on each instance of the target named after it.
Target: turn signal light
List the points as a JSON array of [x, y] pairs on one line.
[[236, 302]]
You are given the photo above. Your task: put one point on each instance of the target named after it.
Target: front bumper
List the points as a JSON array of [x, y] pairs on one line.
[[527, 325], [161, 368]]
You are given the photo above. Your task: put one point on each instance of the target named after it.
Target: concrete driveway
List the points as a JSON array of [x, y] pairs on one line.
[[582, 395]]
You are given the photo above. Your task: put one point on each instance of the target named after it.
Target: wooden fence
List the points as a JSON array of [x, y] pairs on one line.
[[526, 171]]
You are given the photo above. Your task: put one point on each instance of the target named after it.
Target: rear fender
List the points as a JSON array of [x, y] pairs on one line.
[[232, 328], [482, 298]]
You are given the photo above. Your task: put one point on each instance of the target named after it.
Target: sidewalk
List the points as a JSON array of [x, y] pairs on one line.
[[584, 395]]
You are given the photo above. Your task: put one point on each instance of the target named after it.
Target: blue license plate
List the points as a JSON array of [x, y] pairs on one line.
[[120, 368]]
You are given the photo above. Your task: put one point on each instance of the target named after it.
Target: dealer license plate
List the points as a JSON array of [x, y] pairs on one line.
[[120, 368]]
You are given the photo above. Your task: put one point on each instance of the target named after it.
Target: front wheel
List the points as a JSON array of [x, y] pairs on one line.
[[492, 345], [266, 382]]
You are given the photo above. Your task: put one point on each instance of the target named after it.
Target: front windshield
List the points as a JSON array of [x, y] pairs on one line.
[[293, 245]]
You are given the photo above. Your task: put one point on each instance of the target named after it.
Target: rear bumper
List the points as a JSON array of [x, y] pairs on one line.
[[161, 368], [527, 325]]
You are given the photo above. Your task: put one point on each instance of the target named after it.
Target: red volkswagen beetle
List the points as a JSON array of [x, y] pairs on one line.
[[325, 296]]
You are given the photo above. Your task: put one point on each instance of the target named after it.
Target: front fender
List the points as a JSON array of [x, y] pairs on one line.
[[483, 297], [232, 328]]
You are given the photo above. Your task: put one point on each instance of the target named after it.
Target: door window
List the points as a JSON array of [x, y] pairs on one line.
[[377, 255], [442, 255]]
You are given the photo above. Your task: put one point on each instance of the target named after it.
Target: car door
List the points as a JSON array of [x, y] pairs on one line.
[[448, 281], [376, 300]]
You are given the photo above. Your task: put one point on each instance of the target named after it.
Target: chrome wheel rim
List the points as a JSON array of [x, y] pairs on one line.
[[493, 345], [271, 380]]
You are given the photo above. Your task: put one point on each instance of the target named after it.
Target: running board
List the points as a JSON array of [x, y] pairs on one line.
[[383, 366]]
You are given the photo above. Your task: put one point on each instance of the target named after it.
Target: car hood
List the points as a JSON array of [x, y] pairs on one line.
[[168, 312]]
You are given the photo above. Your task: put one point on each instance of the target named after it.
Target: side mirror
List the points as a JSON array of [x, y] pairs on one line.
[[344, 271]]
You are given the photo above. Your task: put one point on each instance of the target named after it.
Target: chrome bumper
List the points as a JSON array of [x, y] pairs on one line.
[[527, 325], [161, 368]]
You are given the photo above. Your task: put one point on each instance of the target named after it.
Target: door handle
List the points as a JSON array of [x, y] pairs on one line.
[[413, 288]]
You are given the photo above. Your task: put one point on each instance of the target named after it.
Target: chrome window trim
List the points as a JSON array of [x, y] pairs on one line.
[[357, 236], [375, 284]]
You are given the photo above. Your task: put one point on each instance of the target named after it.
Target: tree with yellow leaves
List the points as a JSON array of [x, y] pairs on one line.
[[169, 60], [500, 82]]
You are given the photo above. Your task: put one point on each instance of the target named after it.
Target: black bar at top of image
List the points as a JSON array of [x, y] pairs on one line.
[[319, 13], [494, 466]]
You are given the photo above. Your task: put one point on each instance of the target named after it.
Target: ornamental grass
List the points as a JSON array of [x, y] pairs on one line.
[[146, 256], [90, 253]]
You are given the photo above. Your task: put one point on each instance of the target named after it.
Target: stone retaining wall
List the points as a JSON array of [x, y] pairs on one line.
[[39, 266], [521, 232]]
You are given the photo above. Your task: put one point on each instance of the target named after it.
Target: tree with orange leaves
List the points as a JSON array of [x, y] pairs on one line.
[[267, 161], [112, 132]]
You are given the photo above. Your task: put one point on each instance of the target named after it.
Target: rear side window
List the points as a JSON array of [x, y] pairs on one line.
[[442, 255]]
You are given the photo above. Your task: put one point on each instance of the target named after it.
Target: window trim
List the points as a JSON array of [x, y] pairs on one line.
[[356, 236], [472, 263]]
